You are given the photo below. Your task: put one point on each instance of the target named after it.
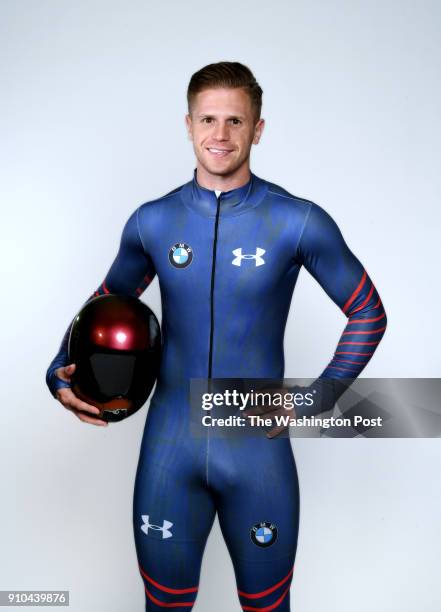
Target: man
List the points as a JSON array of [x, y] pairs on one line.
[[227, 247]]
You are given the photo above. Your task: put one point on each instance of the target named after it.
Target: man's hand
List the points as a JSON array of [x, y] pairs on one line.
[[269, 411], [73, 403]]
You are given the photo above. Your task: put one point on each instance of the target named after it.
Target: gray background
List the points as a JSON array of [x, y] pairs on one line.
[[92, 125]]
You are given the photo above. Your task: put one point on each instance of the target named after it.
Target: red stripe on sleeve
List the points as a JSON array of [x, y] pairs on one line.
[[349, 361], [365, 301], [344, 369], [356, 292], [372, 331], [349, 353], [368, 320], [360, 343]]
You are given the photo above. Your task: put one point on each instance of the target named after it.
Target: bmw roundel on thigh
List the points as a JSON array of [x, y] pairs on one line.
[[263, 534], [180, 255]]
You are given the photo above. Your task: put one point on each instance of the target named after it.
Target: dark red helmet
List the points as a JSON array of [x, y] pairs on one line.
[[115, 342]]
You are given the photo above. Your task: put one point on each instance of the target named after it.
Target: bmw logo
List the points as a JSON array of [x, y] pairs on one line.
[[263, 534], [180, 255]]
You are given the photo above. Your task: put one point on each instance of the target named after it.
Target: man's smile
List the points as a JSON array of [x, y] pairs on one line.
[[219, 152]]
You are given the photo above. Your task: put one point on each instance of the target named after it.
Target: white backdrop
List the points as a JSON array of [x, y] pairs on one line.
[[92, 111]]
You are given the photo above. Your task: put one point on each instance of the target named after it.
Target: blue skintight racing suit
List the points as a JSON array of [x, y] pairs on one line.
[[227, 266]]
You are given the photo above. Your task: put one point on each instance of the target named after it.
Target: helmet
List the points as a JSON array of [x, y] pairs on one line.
[[115, 342]]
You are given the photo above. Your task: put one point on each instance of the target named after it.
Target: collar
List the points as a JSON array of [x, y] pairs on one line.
[[233, 202]]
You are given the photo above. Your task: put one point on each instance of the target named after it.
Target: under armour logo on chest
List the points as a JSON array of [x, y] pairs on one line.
[[166, 533], [237, 261]]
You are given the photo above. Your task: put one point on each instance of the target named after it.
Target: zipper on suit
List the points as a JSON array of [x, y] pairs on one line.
[[210, 353], [213, 268]]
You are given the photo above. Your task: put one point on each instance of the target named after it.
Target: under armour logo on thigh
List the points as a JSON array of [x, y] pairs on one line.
[[166, 533], [257, 256]]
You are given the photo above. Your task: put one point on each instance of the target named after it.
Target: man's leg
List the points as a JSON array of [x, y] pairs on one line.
[[172, 516], [259, 516]]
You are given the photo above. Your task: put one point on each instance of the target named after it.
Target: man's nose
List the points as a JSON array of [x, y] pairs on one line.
[[221, 131]]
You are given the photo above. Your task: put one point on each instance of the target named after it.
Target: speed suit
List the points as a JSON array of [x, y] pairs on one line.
[[227, 266]]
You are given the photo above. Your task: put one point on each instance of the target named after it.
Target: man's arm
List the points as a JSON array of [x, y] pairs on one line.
[[325, 254], [130, 274]]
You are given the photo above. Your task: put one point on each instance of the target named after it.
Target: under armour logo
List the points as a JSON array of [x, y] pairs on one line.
[[166, 533], [257, 257]]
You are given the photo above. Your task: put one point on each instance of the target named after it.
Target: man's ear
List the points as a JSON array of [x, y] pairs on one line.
[[189, 125], [258, 129]]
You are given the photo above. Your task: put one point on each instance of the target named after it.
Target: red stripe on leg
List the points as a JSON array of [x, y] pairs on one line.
[[164, 588], [163, 604], [267, 591], [268, 608]]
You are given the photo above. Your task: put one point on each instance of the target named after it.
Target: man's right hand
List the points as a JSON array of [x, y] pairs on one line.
[[73, 403]]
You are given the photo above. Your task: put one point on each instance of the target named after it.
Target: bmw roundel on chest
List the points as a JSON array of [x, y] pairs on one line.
[[180, 255]]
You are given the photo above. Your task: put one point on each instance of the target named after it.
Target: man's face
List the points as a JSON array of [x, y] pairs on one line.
[[222, 127]]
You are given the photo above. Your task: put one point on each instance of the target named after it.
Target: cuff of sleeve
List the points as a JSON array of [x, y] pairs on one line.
[[325, 393], [54, 383]]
